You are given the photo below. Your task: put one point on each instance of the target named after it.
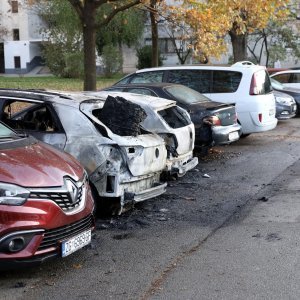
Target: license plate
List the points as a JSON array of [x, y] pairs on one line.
[[272, 112], [75, 243], [294, 107], [233, 136]]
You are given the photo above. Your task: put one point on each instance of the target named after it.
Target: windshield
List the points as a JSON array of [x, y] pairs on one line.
[[276, 84], [5, 132], [185, 95]]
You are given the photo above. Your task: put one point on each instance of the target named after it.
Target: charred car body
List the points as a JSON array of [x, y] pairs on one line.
[[168, 120], [46, 203], [122, 169]]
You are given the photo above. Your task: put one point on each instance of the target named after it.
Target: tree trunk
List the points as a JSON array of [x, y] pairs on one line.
[[154, 33], [89, 46], [239, 46]]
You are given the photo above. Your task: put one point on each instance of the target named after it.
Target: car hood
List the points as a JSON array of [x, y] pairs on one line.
[[37, 165]]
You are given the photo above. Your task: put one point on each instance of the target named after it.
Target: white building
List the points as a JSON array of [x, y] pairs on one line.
[[20, 41]]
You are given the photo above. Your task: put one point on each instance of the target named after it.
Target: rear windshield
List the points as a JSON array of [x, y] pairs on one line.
[[185, 95], [175, 117]]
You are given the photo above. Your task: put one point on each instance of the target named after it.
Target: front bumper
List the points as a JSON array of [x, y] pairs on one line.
[[223, 135], [284, 112]]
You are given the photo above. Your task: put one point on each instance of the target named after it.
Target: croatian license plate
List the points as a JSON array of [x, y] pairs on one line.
[[294, 107], [75, 243], [233, 136]]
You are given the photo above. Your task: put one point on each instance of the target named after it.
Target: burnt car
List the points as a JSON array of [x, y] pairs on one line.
[[123, 169], [294, 92], [286, 107], [46, 205], [164, 118], [215, 122]]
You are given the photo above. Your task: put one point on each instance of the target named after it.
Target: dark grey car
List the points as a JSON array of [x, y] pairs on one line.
[[215, 122]]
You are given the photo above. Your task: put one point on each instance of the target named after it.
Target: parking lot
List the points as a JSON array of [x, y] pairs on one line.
[[211, 234]]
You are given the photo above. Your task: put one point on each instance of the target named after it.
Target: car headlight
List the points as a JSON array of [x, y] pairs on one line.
[[11, 194], [283, 100]]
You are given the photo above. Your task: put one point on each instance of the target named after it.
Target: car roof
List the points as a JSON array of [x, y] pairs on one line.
[[146, 84], [285, 72], [66, 98], [156, 103], [236, 67]]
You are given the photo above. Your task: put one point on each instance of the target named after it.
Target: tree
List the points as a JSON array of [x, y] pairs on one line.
[[246, 16], [125, 28], [63, 50], [207, 26], [87, 12]]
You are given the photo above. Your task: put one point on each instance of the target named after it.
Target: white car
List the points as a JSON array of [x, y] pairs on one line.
[[288, 78], [244, 84], [164, 118]]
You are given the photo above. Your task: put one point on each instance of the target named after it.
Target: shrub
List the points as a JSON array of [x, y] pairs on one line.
[[112, 60], [144, 55]]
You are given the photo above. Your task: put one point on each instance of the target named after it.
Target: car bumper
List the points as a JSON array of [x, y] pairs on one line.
[[226, 134], [128, 187], [284, 112], [181, 164]]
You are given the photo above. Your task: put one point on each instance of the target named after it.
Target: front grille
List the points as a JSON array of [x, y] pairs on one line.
[[68, 197], [53, 236], [62, 199]]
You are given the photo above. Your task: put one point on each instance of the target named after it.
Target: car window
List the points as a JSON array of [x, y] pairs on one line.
[[147, 77], [296, 78], [124, 80], [141, 91], [5, 131], [198, 80], [226, 81], [185, 95], [283, 78], [276, 84], [22, 115]]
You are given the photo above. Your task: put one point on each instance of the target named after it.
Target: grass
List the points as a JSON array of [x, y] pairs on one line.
[[52, 82]]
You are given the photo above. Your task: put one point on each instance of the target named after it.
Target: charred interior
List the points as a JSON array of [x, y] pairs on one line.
[[122, 117]]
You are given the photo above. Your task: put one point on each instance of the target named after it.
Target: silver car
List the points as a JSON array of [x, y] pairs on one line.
[[122, 169]]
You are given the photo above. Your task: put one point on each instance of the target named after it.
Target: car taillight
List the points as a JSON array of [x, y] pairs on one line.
[[253, 86], [260, 118], [212, 121], [235, 118]]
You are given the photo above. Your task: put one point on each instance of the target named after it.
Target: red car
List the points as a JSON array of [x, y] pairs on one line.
[[46, 205]]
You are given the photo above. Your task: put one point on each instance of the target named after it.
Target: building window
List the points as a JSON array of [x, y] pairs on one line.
[[16, 34], [17, 60], [14, 6]]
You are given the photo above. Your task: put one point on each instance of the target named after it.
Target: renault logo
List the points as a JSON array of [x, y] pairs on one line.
[[72, 189]]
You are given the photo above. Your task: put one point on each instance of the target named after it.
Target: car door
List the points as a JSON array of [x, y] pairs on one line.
[[36, 118]]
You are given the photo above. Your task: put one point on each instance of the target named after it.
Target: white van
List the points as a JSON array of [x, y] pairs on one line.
[[245, 84]]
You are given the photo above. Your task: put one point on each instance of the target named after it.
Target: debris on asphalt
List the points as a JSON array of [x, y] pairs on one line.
[[263, 199], [205, 176]]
